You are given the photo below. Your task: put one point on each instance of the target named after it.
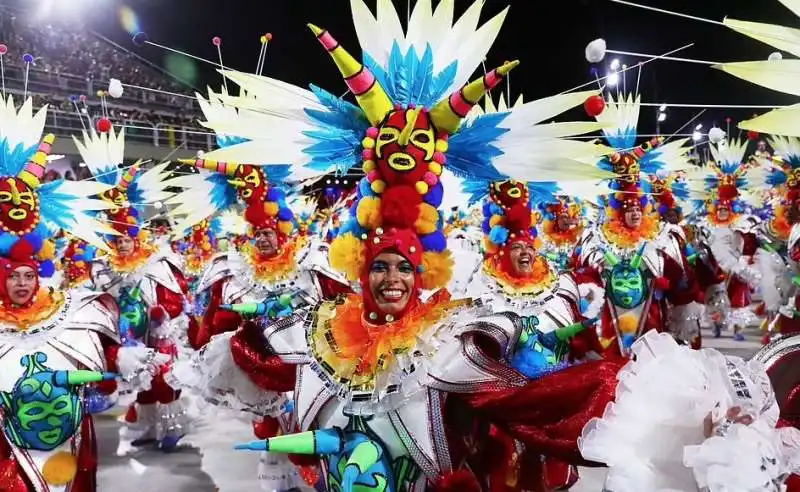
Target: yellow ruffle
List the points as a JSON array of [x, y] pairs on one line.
[[47, 303], [542, 277], [275, 268]]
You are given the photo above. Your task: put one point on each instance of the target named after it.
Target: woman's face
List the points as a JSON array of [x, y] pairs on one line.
[[522, 255], [21, 285], [723, 213], [633, 216], [391, 282], [125, 245]]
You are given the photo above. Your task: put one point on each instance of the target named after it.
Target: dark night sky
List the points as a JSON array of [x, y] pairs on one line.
[[547, 36]]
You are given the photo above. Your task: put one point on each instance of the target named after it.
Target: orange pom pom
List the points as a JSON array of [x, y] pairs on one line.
[[437, 269], [427, 220], [271, 209], [368, 212], [285, 227], [348, 255]]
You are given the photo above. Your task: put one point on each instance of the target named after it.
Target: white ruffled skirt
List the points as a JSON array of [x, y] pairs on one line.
[[652, 438]]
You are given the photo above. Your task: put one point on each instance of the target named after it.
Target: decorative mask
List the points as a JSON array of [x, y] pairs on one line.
[[509, 193], [250, 182], [117, 197], [44, 409], [625, 282], [405, 146], [19, 206], [133, 313]]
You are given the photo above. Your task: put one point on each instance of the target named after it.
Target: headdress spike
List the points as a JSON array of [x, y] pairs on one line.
[[34, 170], [226, 168], [448, 113], [129, 175], [362, 83]]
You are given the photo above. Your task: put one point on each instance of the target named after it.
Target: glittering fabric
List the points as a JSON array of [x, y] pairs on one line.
[[548, 414], [265, 370]]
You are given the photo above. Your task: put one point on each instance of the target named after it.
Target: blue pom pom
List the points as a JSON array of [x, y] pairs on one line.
[[498, 235], [662, 209], [73, 98], [284, 214], [434, 241], [533, 232], [133, 212], [614, 203], [495, 209], [35, 241], [27, 58], [353, 227], [737, 207], [47, 269], [434, 195], [364, 188], [133, 231], [643, 200], [628, 339], [584, 305], [275, 195], [487, 209], [6, 242]]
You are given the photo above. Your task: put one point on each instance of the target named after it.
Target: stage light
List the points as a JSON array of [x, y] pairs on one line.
[[612, 79], [697, 136], [662, 108], [615, 64], [699, 126], [662, 117]]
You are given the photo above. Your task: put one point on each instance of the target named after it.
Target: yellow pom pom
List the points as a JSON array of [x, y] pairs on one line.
[[442, 146], [60, 469], [495, 220], [378, 186], [285, 227], [421, 187], [347, 255], [48, 251], [368, 166], [271, 208], [427, 220], [435, 168], [206, 247], [368, 143], [368, 212], [437, 269], [628, 323]]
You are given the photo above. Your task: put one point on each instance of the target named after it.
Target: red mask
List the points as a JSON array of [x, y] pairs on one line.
[[252, 183], [116, 197], [403, 154], [19, 206]]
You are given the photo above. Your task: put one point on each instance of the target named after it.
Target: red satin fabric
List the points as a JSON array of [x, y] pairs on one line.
[[265, 370], [11, 474], [708, 272], [215, 320], [739, 293], [331, 288], [548, 414]]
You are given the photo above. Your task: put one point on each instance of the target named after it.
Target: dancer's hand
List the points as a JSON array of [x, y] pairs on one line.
[[733, 416]]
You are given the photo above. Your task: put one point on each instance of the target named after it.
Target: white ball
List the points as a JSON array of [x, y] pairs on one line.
[[115, 88], [716, 135], [596, 50], [158, 205], [775, 56], [200, 154]]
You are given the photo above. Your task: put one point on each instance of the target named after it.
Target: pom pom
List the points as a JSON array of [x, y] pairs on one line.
[[60, 469], [596, 51], [716, 135], [285, 227], [430, 178], [594, 105], [428, 219], [133, 231], [35, 241], [216, 41], [6, 242], [103, 125], [435, 168], [368, 143], [368, 154], [48, 250], [368, 212], [441, 146], [347, 255], [275, 195], [437, 269], [271, 209], [518, 218], [21, 251], [435, 195], [3, 49], [421, 187], [140, 38], [368, 166], [753, 135], [27, 58], [439, 158], [285, 214], [434, 241], [498, 235], [495, 220], [115, 88], [364, 188], [775, 56], [400, 206], [372, 132], [47, 269]]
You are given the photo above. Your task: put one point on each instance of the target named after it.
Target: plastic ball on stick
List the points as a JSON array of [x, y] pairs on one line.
[[596, 51], [103, 125], [3, 49], [716, 135], [775, 56], [594, 105], [140, 38]]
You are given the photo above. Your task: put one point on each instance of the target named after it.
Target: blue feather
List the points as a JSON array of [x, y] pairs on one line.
[[12, 161], [472, 147]]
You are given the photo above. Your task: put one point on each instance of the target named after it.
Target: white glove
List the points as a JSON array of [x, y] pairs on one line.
[[138, 366]]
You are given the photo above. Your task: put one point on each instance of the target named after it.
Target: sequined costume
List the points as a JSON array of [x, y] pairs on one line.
[[59, 349]]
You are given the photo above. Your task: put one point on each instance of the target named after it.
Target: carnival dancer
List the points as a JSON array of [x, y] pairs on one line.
[[54, 343], [563, 222], [732, 232], [622, 253], [779, 269], [371, 364], [684, 303], [146, 281]]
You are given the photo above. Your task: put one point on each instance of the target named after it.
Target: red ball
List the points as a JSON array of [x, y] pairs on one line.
[[103, 125], [594, 105], [752, 135]]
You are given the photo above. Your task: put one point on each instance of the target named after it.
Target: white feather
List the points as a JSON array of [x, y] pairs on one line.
[[21, 127], [620, 115], [102, 151]]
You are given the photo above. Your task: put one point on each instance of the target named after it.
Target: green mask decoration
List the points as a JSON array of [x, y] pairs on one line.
[[625, 283], [133, 313], [44, 409]]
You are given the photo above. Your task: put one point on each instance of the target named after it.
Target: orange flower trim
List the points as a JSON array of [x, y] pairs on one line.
[[561, 238], [133, 262], [354, 352], [47, 303], [624, 237], [274, 268], [197, 259], [780, 224], [712, 217], [542, 277]]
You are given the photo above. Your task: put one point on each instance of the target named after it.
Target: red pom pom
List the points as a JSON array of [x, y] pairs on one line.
[[662, 283], [594, 105], [751, 135], [256, 215], [518, 218], [103, 125], [266, 428], [400, 206], [158, 314], [21, 251]]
